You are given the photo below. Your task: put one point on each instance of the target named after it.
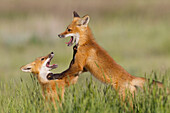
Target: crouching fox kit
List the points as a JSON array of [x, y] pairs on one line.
[[41, 68], [91, 57]]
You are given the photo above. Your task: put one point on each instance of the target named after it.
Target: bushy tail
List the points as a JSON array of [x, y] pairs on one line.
[[139, 82], [160, 85]]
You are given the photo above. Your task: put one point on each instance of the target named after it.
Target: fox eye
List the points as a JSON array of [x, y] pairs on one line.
[[42, 59], [28, 68], [69, 30]]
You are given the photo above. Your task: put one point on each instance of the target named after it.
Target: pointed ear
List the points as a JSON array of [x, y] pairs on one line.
[[26, 68], [85, 20], [75, 14]]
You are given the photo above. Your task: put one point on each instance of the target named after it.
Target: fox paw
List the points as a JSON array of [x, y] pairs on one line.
[[50, 76]]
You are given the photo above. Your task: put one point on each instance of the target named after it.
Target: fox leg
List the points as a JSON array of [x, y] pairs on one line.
[[75, 68]]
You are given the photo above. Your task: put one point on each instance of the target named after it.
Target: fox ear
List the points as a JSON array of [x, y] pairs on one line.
[[75, 14], [85, 20], [26, 68]]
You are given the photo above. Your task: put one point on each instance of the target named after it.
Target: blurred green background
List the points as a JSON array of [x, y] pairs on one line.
[[136, 33]]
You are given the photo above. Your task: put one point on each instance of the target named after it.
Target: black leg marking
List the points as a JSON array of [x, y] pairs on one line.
[[52, 76], [74, 53]]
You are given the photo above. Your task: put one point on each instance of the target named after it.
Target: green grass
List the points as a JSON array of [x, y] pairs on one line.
[[135, 33], [140, 46], [86, 96]]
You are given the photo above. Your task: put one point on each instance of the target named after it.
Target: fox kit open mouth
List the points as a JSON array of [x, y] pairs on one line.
[[71, 42], [74, 38], [49, 61], [41, 64]]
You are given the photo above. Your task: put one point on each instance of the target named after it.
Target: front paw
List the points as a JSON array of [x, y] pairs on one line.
[[50, 76]]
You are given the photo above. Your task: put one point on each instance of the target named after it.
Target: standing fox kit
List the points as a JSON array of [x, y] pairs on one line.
[[91, 57], [41, 68]]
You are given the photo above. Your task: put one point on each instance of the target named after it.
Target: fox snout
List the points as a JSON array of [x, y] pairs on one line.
[[51, 55], [61, 36]]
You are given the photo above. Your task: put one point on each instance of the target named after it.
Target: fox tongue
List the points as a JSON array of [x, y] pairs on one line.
[[52, 66], [68, 43]]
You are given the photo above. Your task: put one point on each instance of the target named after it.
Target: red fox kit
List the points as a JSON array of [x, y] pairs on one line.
[[91, 57], [41, 68]]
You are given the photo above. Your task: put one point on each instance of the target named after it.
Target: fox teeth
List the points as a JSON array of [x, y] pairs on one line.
[[74, 40]]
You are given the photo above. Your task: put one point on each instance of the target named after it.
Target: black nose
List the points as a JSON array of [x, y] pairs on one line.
[[52, 53], [59, 35]]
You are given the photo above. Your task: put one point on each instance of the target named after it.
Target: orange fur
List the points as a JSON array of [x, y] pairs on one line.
[[96, 60], [49, 87]]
